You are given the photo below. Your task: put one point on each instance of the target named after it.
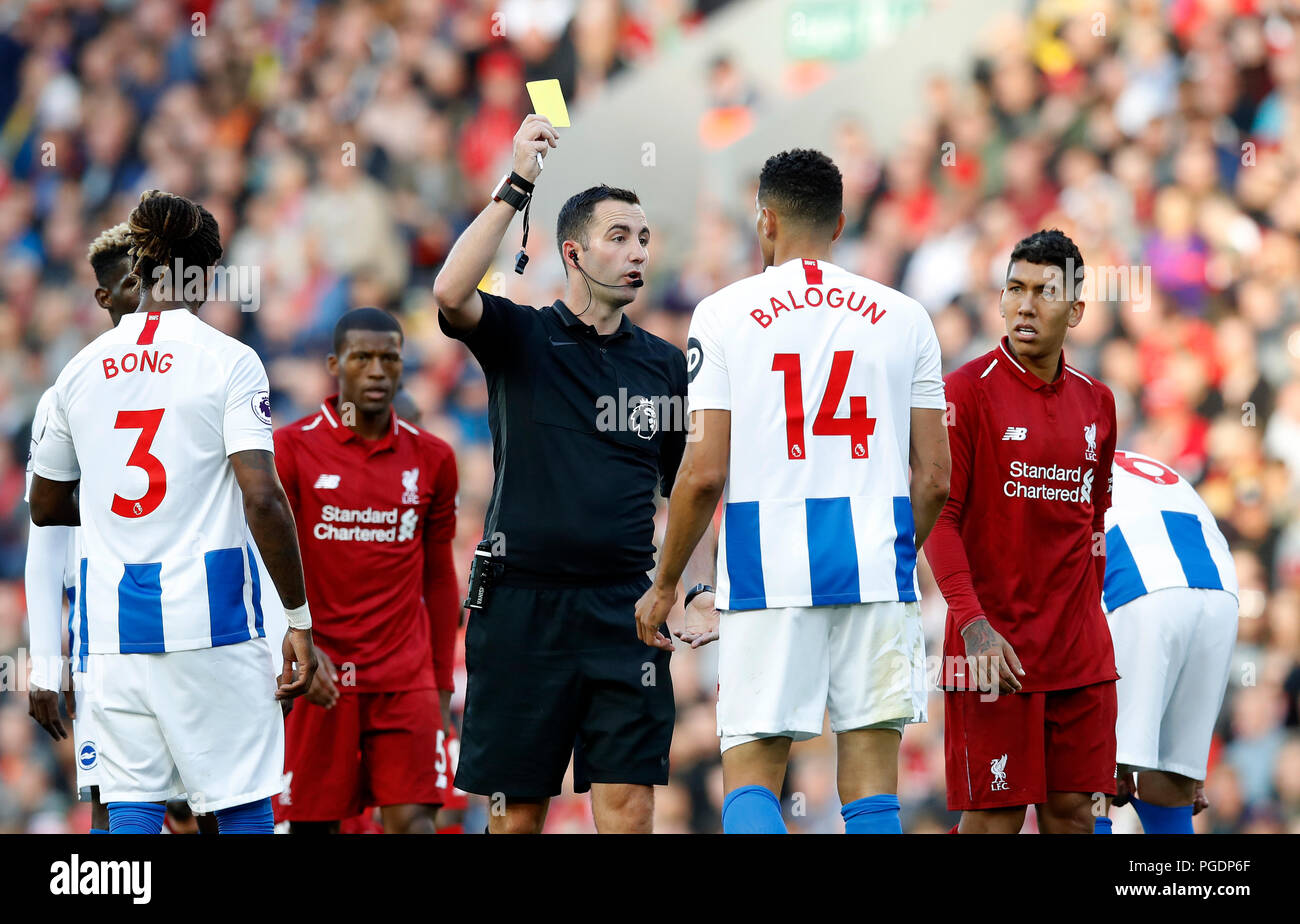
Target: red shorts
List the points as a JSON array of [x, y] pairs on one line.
[[365, 823], [370, 749], [1016, 749]]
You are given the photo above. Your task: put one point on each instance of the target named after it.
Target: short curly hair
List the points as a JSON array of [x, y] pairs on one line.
[[803, 185], [1051, 247], [112, 245]]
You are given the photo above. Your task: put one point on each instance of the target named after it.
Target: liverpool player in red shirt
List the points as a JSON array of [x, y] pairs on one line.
[[375, 502], [1020, 557]]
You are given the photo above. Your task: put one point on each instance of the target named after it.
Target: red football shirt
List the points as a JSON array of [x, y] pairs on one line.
[[1021, 539], [364, 511]]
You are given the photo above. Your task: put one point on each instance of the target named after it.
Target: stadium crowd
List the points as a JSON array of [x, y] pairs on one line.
[[342, 146]]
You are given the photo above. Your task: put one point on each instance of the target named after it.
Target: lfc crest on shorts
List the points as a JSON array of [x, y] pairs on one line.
[[998, 766]]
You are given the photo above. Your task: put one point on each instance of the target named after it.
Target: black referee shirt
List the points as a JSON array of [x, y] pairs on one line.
[[584, 428]]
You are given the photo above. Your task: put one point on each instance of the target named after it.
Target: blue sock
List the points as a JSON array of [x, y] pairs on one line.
[[135, 817], [250, 818], [98, 831], [872, 815], [1157, 819], [1102, 825], [752, 810]]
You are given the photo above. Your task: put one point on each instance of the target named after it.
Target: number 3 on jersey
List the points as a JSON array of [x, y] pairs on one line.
[[857, 426], [147, 422]]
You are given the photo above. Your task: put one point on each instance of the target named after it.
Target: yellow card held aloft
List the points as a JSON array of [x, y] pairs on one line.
[[548, 100]]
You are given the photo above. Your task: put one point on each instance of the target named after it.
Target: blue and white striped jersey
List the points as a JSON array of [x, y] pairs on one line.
[[820, 369], [1160, 534], [145, 417]]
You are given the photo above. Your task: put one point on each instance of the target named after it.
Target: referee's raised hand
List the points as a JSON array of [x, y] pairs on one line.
[[535, 137]]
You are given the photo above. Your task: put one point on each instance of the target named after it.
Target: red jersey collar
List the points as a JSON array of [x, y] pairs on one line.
[[344, 434], [1024, 375]]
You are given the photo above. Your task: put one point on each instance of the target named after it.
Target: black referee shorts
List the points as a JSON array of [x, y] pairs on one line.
[[556, 672]]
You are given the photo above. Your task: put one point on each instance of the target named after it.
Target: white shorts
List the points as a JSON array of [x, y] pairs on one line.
[[86, 742], [781, 670], [1173, 650], [202, 722]]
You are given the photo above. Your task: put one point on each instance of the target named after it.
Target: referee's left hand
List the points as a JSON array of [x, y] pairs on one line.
[[651, 612]]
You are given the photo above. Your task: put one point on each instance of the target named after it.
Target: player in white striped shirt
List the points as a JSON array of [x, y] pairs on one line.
[[50, 571], [1171, 601], [164, 423], [811, 389]]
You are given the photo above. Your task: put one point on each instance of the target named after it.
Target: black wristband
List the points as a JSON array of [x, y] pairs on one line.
[[695, 592], [513, 197], [517, 180]]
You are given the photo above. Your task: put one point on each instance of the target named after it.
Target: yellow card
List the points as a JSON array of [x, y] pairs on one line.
[[548, 100]]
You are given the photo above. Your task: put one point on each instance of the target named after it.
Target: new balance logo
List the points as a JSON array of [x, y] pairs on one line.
[[998, 766], [1015, 433], [328, 482]]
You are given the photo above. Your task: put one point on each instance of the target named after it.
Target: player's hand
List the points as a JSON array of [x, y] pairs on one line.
[[1200, 803], [701, 621], [995, 662], [444, 707], [651, 612], [535, 136], [300, 653], [1125, 788], [324, 689], [43, 706]]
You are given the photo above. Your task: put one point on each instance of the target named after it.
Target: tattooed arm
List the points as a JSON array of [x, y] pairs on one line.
[[995, 661]]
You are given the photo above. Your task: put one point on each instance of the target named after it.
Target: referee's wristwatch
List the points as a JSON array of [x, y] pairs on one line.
[[696, 591], [507, 192]]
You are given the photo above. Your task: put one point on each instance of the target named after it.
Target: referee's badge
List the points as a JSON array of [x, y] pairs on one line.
[[643, 420]]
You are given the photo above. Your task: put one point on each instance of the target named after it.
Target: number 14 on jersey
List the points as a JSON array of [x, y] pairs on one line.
[[857, 426]]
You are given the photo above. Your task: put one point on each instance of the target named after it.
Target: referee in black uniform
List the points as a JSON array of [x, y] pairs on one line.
[[588, 419]]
